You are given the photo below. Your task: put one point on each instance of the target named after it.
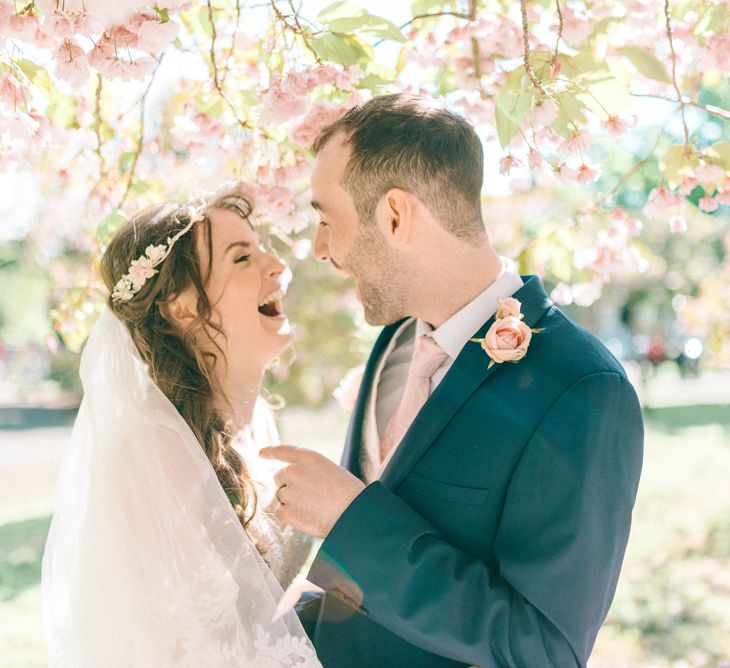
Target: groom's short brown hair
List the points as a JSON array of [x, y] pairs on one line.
[[414, 143]]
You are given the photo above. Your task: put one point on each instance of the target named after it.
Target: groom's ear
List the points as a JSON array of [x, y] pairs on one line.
[[397, 215]]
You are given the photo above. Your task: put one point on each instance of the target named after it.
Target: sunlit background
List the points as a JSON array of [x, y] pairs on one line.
[[665, 312]]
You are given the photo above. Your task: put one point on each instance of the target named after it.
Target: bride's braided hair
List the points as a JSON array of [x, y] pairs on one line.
[[177, 366]]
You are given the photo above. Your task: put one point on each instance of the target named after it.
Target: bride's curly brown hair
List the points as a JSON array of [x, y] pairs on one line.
[[176, 364]]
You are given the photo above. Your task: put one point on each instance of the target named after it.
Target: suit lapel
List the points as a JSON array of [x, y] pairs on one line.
[[353, 441], [468, 372]]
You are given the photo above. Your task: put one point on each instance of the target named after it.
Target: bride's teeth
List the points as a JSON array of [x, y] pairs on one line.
[[278, 295]]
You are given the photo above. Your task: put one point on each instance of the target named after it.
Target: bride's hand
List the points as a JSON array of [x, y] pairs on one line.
[[313, 491]]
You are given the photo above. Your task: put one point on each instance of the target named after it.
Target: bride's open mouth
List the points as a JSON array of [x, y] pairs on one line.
[[271, 306]]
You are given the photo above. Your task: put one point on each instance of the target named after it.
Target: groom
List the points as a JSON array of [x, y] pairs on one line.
[[482, 510]]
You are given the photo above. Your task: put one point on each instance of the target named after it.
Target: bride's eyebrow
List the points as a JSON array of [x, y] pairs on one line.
[[243, 244]]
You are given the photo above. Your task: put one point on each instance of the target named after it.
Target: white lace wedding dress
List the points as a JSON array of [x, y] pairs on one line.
[[146, 563]]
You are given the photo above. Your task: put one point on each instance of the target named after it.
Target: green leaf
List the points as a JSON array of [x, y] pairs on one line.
[[213, 106], [62, 111], [349, 17], [647, 63], [204, 21], [108, 227], [338, 48], [677, 162], [125, 162], [427, 6], [28, 67], [163, 14], [370, 24], [604, 92], [605, 24], [146, 190], [720, 152], [712, 21]]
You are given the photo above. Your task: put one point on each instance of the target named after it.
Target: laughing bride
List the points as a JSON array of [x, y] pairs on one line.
[[161, 552]]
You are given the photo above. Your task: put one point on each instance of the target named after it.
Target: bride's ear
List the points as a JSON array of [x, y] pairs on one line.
[[180, 309]]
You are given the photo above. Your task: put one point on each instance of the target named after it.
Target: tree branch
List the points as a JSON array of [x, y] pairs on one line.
[[296, 28], [635, 169], [554, 61], [216, 74], [708, 108], [475, 54], [226, 67], [674, 69], [97, 123], [140, 140], [526, 58]]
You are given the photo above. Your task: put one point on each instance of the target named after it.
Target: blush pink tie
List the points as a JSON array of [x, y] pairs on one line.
[[426, 360]]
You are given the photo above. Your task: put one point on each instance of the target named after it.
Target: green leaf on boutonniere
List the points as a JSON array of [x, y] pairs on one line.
[[491, 364]]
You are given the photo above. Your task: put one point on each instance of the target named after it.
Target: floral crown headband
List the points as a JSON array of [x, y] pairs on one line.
[[144, 266]]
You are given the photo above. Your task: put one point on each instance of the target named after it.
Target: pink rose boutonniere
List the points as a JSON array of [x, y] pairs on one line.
[[508, 338]]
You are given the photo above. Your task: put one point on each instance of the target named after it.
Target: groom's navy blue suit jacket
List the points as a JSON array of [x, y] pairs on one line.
[[496, 534]]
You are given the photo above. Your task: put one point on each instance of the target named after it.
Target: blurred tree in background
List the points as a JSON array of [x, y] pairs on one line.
[[605, 128]]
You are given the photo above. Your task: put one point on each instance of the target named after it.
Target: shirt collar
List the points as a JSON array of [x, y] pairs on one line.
[[454, 334]]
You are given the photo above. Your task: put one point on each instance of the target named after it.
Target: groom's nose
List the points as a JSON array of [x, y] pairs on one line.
[[321, 245]]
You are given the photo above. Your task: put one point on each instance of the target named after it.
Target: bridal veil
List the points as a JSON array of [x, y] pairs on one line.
[[146, 563]]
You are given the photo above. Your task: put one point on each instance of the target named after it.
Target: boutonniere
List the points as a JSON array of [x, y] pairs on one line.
[[508, 338]]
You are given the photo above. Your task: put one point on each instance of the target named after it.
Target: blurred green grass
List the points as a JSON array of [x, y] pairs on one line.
[[672, 606]]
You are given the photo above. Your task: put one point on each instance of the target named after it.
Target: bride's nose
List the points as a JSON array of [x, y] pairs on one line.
[[275, 265]]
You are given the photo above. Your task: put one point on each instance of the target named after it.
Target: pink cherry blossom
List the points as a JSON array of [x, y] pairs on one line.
[[587, 174], [283, 101], [564, 173], [708, 173], [723, 198], [587, 293], [660, 202], [153, 35], [576, 143], [508, 163], [321, 115], [534, 159], [677, 224], [616, 126], [577, 27], [708, 204], [689, 183], [562, 294], [71, 64], [544, 113]]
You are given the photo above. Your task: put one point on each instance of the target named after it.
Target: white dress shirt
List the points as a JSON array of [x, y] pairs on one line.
[[392, 370]]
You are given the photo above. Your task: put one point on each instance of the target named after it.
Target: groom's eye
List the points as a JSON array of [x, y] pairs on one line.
[[242, 258]]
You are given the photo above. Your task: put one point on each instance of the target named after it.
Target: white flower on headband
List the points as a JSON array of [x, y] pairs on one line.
[[144, 266]]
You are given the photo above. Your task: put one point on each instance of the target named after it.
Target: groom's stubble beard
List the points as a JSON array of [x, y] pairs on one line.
[[380, 275]]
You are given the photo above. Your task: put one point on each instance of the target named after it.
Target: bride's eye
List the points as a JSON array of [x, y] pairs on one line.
[[242, 258]]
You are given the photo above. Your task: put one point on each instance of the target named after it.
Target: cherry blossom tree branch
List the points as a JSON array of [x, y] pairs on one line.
[[709, 108], [554, 61], [216, 73], [475, 54], [97, 123], [296, 28], [526, 57], [140, 139], [674, 69], [635, 169], [226, 67]]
